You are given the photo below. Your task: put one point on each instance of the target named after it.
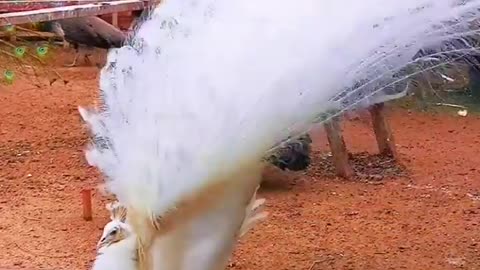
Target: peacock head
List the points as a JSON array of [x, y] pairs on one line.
[[114, 232], [117, 229]]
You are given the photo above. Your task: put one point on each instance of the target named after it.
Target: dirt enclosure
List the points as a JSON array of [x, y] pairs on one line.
[[425, 218]]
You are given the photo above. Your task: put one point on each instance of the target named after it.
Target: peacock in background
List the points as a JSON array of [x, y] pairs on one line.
[[293, 154], [86, 33], [205, 90]]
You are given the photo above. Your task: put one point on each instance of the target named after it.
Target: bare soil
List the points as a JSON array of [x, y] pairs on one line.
[[423, 213]]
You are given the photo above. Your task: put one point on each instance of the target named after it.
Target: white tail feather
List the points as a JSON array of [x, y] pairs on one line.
[[255, 215], [251, 222]]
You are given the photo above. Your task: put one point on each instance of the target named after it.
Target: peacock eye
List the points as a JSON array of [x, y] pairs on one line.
[[114, 231]]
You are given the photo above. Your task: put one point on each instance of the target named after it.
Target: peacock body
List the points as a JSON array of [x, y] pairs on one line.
[[117, 246]]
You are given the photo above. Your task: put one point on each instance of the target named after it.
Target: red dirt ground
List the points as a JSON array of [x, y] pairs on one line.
[[426, 220]]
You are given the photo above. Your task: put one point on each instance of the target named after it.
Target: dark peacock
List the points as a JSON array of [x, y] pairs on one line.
[[457, 50], [86, 32], [293, 155]]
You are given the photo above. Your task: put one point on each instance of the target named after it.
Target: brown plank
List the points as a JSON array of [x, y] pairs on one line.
[[93, 9], [27, 5], [339, 150], [383, 133]]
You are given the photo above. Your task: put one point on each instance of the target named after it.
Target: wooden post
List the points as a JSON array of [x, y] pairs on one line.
[[87, 204], [383, 133], [115, 19], [339, 150]]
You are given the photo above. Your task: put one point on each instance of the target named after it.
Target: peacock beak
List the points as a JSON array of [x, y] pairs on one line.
[[101, 243]]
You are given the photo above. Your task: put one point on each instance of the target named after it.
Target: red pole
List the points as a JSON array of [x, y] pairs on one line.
[[87, 204]]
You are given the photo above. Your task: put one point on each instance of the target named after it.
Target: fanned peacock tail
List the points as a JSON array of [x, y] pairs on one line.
[[204, 89]]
